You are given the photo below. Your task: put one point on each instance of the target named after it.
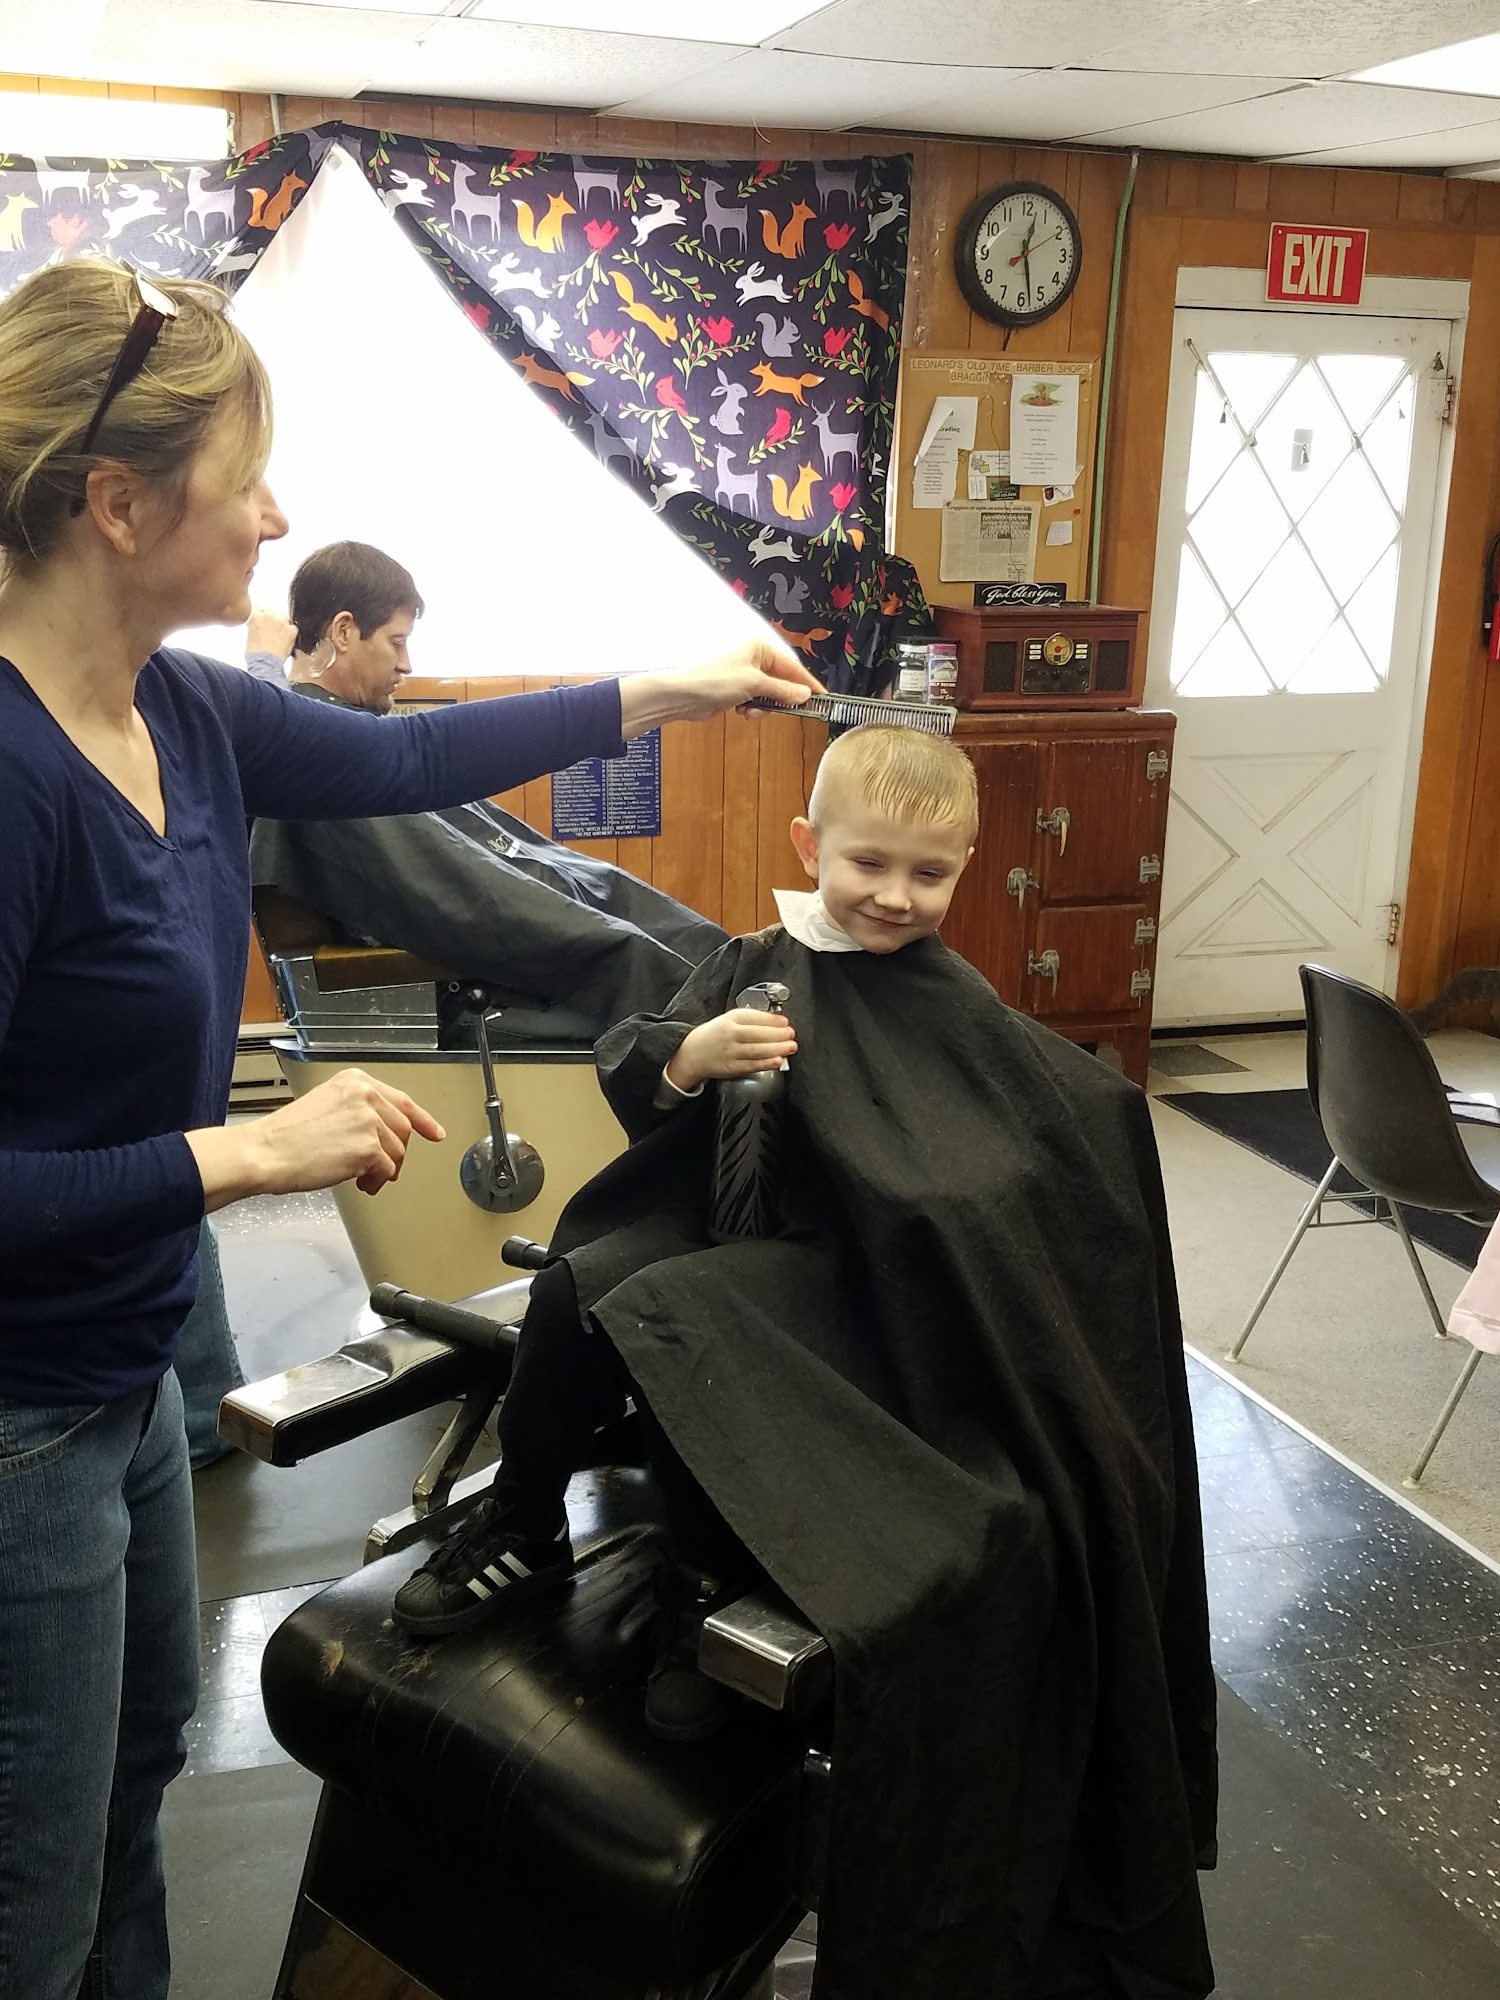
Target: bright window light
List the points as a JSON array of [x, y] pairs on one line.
[[398, 424], [36, 123], [747, 22], [1470, 67]]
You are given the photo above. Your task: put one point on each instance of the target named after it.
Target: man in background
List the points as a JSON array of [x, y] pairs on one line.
[[580, 943]]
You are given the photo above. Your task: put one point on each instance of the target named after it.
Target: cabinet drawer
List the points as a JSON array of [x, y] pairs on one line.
[[1098, 958]]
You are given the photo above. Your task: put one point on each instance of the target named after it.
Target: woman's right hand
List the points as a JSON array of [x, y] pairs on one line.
[[740, 1043], [351, 1128]]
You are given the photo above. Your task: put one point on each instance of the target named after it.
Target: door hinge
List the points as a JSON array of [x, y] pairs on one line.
[[1158, 763], [1450, 398], [1140, 984], [1145, 930], [1150, 867], [1393, 923]]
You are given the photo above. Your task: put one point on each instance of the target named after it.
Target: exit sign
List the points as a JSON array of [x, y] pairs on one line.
[[1324, 267]]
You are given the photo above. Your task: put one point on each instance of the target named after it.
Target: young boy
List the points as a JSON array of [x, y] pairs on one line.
[[942, 1405]]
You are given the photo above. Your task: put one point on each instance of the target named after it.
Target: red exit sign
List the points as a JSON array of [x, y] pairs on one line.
[[1309, 266]]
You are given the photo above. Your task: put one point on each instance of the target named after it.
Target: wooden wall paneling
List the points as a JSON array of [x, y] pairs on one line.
[[1252, 187], [1487, 208], [453, 123], [1420, 198], [1183, 181], [1365, 199], [1461, 203], [1420, 253], [524, 130], [1101, 181], [1218, 240], [937, 313], [1302, 194], [1451, 747], [688, 861], [1218, 186], [1143, 364], [781, 798], [740, 848]]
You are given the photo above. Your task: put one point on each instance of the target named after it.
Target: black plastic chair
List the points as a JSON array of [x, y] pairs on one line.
[[1385, 1114]]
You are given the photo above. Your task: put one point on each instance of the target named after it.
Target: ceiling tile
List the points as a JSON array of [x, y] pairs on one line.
[[1021, 34], [1060, 103], [828, 92], [247, 45], [1303, 118], [527, 65], [1463, 148], [48, 41], [1293, 38]]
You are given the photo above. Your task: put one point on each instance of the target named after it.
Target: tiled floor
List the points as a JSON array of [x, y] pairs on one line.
[[1366, 1637]]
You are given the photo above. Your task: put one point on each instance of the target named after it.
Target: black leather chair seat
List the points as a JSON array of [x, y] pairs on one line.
[[516, 1758]]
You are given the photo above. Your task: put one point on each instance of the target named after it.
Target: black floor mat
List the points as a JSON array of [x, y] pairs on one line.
[[1282, 1127]]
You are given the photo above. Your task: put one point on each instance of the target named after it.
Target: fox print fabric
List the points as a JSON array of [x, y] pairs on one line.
[[723, 334], [166, 220]]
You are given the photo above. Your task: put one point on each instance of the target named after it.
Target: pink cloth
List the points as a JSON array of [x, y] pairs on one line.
[[1476, 1311]]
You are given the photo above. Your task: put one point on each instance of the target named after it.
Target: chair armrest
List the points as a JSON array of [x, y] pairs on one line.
[[762, 1648], [383, 1373]]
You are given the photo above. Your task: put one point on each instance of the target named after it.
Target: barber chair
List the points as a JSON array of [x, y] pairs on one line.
[[519, 1144], [496, 1823]]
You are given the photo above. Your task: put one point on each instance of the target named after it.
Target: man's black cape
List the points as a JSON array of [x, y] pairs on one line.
[[480, 892], [945, 1407]]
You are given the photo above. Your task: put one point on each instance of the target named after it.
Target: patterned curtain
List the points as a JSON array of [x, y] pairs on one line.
[[724, 335], [169, 221]]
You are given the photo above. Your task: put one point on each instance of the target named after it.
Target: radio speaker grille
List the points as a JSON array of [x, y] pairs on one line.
[[1112, 666], [1000, 666]]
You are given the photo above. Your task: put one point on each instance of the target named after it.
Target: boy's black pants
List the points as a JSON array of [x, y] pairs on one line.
[[568, 1384]]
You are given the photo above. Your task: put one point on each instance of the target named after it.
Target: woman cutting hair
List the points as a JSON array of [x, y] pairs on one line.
[[134, 433]]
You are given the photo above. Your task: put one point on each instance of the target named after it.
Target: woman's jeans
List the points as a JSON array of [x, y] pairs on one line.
[[98, 1676], [208, 1363]]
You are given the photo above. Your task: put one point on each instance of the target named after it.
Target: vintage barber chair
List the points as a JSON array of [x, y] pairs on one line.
[[496, 1823], [519, 1144]]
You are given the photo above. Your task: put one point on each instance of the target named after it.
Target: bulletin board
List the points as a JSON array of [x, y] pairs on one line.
[[919, 530]]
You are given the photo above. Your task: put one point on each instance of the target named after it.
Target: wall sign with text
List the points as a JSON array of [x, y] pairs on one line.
[[610, 798], [1316, 266]]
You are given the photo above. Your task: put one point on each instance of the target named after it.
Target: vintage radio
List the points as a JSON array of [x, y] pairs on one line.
[[1042, 655]]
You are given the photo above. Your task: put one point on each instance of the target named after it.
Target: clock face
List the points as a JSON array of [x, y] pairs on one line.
[[1017, 253]]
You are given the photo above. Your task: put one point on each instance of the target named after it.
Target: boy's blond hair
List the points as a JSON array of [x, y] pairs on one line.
[[904, 773]]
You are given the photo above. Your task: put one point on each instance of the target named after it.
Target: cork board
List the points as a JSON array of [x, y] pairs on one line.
[[925, 377]]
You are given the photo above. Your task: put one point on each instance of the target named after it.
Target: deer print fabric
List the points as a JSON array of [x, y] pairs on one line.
[[166, 220], [723, 335]]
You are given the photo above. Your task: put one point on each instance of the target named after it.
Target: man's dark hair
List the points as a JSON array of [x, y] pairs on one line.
[[349, 576]]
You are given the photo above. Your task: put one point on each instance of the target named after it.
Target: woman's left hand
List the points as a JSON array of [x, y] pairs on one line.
[[760, 670]]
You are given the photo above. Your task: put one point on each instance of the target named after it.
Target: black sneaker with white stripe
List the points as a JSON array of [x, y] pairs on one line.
[[480, 1569]]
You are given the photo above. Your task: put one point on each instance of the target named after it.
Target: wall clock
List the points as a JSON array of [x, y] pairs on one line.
[[1017, 253]]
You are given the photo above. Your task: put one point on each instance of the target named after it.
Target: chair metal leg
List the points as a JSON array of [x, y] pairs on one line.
[[1442, 1423], [1416, 1263], [1304, 1222]]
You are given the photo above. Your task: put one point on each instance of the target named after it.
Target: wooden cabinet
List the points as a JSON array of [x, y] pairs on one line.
[[1060, 905]]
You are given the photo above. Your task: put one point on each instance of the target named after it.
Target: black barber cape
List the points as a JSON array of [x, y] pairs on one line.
[[946, 1409], [476, 890]]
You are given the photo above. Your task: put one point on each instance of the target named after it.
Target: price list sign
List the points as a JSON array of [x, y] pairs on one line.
[[610, 798]]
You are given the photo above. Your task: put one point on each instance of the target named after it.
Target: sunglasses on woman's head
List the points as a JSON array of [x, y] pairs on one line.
[[145, 329]]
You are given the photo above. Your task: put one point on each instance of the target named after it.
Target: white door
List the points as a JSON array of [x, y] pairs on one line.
[[1293, 556]]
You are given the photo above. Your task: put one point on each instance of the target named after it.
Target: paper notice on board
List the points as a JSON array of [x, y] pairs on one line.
[[985, 543], [1059, 534], [983, 467], [950, 430], [1043, 429]]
